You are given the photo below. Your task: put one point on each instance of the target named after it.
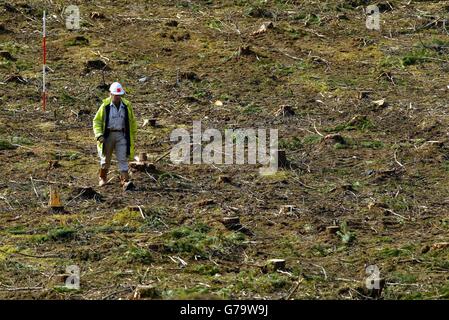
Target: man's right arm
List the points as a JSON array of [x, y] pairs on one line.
[[98, 124]]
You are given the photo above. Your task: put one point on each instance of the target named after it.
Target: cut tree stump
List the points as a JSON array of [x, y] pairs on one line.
[[146, 291], [231, 223], [285, 111], [223, 179], [136, 166], [273, 265], [54, 203], [331, 230], [282, 159]]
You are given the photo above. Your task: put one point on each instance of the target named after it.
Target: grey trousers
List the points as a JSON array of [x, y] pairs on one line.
[[115, 141]]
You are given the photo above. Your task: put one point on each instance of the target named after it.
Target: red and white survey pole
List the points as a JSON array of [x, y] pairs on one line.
[[44, 53]]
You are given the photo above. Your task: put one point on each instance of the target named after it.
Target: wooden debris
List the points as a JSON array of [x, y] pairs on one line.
[[172, 23], [231, 223], [53, 164], [205, 202], [380, 102], [440, 245], [139, 166], [146, 291], [263, 28], [54, 202], [97, 15], [151, 122], [223, 179], [285, 111], [282, 159], [16, 78], [96, 65], [87, 193], [8, 56], [364, 94], [334, 138], [331, 230], [273, 265]]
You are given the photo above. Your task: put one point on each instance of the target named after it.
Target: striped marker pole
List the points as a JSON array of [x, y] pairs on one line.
[[44, 52]]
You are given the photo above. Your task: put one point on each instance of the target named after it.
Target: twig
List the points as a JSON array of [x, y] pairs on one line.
[[141, 213], [163, 156], [35, 191], [293, 290], [396, 214], [22, 289], [322, 268], [316, 130], [396, 160]]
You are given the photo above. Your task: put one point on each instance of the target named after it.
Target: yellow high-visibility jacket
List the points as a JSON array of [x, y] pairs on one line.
[[100, 123]]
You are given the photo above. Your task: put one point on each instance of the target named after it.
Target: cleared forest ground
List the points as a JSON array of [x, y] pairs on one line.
[[382, 178]]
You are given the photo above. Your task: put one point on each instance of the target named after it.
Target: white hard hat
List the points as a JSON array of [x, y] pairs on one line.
[[116, 89]]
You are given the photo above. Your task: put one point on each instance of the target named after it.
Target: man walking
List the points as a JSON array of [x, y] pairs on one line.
[[115, 128]]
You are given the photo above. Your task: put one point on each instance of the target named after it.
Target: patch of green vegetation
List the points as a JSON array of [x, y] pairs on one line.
[[66, 155], [196, 292], [65, 98], [320, 250], [17, 230], [290, 144], [138, 255], [126, 217], [77, 41], [346, 236], [357, 123], [414, 57], [6, 145], [215, 24], [443, 291], [312, 139], [251, 109], [64, 289], [199, 240], [372, 144], [21, 141], [61, 234], [207, 270], [391, 253], [404, 277], [265, 283]]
